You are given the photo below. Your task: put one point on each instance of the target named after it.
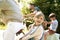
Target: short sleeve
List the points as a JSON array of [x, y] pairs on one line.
[[54, 26], [15, 26]]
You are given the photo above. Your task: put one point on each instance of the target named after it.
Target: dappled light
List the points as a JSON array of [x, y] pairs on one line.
[[29, 19]]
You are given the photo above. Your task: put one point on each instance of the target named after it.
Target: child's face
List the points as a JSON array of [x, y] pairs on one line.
[[39, 20], [52, 18]]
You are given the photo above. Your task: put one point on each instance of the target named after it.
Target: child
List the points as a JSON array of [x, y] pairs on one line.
[[53, 26], [36, 29]]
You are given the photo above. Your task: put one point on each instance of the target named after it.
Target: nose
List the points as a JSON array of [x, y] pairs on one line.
[[39, 19]]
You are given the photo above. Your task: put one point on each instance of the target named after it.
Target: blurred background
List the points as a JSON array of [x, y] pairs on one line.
[[46, 6]]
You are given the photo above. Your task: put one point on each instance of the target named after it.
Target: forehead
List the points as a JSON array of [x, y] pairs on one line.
[[31, 5], [39, 17]]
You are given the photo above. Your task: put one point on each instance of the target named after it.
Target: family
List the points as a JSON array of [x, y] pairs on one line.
[[36, 30]]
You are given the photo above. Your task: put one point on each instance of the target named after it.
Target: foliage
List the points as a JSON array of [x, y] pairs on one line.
[[25, 10], [28, 21], [48, 6]]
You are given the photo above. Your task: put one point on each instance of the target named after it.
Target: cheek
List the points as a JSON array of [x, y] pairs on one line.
[[50, 18], [41, 20], [35, 19]]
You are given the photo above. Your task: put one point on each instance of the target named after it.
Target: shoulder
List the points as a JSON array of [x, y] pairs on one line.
[[55, 22], [36, 8], [41, 27]]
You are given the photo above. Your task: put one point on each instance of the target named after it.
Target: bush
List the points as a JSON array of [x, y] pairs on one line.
[[48, 6]]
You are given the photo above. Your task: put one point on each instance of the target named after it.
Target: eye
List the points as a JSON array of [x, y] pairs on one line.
[[41, 18]]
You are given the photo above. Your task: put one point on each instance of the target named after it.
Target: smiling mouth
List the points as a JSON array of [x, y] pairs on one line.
[[38, 21]]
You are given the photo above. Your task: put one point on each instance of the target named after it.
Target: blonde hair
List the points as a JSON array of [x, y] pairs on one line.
[[38, 14]]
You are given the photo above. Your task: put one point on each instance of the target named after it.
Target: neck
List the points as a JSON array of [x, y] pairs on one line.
[[36, 24], [53, 19]]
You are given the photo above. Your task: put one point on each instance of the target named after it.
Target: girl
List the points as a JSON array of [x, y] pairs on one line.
[[36, 29]]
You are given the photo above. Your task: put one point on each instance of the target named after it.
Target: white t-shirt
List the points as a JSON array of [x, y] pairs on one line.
[[54, 25], [1, 34], [13, 28]]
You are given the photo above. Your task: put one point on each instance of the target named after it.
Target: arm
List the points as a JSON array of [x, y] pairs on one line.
[[28, 15], [49, 22], [53, 27], [27, 33]]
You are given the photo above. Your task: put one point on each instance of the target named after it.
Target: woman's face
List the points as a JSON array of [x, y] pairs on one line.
[[39, 20]]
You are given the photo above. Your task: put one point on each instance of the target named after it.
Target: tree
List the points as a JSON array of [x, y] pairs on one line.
[[48, 6]]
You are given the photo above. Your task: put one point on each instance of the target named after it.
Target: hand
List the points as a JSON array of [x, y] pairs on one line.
[[20, 39], [45, 23], [25, 16], [49, 22], [51, 32], [23, 38]]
